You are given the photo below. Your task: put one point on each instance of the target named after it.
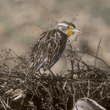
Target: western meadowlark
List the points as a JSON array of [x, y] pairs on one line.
[[48, 48]]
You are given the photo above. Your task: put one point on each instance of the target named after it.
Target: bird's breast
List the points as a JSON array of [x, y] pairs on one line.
[[62, 47]]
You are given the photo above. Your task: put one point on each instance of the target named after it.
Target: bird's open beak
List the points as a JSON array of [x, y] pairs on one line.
[[76, 30]]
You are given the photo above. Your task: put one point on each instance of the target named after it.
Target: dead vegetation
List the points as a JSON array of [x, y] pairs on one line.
[[48, 93]]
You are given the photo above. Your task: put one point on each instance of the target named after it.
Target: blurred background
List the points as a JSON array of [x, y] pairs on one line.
[[22, 21]]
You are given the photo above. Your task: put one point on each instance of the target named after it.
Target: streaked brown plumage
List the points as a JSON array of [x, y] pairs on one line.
[[48, 48]]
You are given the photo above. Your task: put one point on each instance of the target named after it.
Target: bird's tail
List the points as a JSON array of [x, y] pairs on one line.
[[31, 72]]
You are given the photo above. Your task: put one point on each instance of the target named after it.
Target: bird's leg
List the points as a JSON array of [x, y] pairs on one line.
[[52, 72]]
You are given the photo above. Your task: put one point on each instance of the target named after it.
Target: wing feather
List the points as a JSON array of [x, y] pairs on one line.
[[45, 49]]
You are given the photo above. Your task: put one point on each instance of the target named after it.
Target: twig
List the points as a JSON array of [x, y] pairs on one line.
[[92, 56], [97, 52], [81, 89], [95, 90], [88, 93], [103, 97]]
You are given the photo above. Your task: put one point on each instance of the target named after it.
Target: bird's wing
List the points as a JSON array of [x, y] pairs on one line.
[[37, 51], [46, 49]]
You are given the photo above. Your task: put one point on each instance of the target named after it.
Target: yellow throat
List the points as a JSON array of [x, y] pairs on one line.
[[70, 32]]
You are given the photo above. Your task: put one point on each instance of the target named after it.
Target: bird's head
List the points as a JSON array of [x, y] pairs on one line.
[[67, 28]]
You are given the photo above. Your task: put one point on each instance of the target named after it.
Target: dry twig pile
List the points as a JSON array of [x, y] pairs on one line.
[[47, 93]]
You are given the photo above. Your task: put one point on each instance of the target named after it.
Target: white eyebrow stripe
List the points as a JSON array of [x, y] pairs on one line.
[[62, 24]]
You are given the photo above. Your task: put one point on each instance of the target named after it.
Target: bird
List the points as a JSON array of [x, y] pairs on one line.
[[49, 46]]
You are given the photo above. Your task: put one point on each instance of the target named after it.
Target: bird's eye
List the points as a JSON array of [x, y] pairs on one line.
[[67, 26]]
